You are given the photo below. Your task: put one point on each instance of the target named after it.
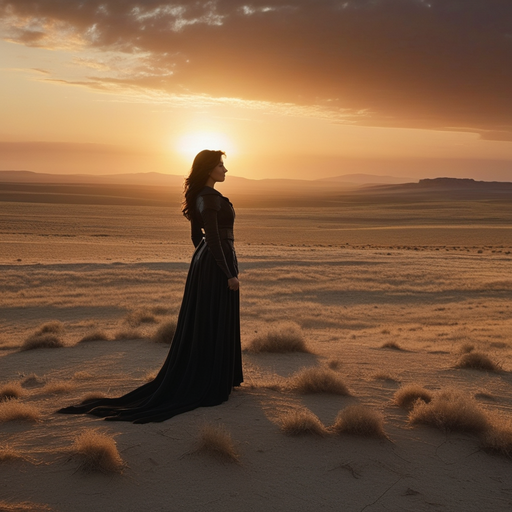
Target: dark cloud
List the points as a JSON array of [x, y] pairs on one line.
[[419, 63]]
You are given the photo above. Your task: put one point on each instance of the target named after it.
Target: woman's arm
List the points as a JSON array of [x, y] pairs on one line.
[[208, 206]]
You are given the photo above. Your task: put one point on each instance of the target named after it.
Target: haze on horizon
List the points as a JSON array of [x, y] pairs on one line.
[[296, 89]]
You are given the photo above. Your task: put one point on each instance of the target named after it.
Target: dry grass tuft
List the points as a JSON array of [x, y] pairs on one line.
[[217, 441], [302, 421], [97, 453], [392, 345], [140, 316], [466, 348], [57, 388], [279, 339], [24, 506], [11, 390], [319, 380], [32, 381], [165, 333], [360, 420], [450, 411], [52, 327], [12, 410], [334, 364], [498, 438], [478, 361], [95, 336], [45, 340], [8, 454], [128, 334], [407, 396]]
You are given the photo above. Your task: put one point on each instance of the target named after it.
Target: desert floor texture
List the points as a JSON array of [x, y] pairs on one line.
[[385, 296]]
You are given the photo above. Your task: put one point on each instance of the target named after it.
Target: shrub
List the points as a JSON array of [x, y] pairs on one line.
[[280, 338], [319, 380], [95, 336], [47, 340], [97, 452], [217, 441], [466, 348], [477, 361], [165, 333], [359, 420], [12, 410], [334, 364], [93, 395], [407, 396], [302, 421], [450, 411], [11, 390]]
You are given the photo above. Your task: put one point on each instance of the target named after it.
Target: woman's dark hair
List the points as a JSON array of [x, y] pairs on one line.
[[203, 163]]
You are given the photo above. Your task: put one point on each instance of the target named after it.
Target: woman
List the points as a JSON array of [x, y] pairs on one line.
[[204, 361]]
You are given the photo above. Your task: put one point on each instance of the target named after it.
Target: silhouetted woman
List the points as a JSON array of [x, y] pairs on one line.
[[204, 361]]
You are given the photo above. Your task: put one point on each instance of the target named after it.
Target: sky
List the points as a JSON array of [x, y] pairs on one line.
[[289, 89]]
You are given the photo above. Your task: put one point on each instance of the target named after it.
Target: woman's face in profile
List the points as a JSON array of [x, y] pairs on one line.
[[219, 172]]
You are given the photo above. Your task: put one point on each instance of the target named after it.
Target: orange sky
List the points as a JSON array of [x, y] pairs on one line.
[[298, 89]]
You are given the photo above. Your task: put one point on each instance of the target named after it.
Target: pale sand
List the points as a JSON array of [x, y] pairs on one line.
[[349, 300]]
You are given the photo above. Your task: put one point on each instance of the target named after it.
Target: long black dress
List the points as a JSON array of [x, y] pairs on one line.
[[204, 361]]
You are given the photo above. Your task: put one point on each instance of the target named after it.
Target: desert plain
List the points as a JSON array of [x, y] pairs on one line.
[[386, 291]]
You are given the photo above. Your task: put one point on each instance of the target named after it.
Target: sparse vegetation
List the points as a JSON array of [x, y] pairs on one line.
[[392, 345], [319, 380], [217, 441], [279, 339], [466, 348], [302, 421], [11, 390], [407, 396], [498, 438], [13, 410], [46, 340], [334, 364], [52, 327], [450, 411], [478, 361], [359, 420], [31, 381], [128, 334], [83, 376], [165, 332], [97, 452], [140, 316], [95, 336], [57, 388]]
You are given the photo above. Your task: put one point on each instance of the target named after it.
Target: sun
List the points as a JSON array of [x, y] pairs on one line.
[[191, 143]]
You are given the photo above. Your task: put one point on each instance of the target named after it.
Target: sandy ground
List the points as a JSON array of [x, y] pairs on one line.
[[351, 280]]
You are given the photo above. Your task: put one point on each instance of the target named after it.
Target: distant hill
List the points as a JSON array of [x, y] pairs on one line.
[[365, 179]]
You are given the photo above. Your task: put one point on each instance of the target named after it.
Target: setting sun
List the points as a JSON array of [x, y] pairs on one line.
[[191, 143]]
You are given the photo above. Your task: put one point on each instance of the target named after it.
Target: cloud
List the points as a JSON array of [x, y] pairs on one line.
[[442, 64]]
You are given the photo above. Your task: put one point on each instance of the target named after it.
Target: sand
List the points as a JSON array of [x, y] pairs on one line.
[[434, 281]]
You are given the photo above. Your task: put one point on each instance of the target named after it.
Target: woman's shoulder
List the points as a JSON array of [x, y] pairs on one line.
[[209, 191]]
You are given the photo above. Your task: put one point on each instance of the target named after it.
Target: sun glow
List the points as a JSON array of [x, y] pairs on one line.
[[191, 143]]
